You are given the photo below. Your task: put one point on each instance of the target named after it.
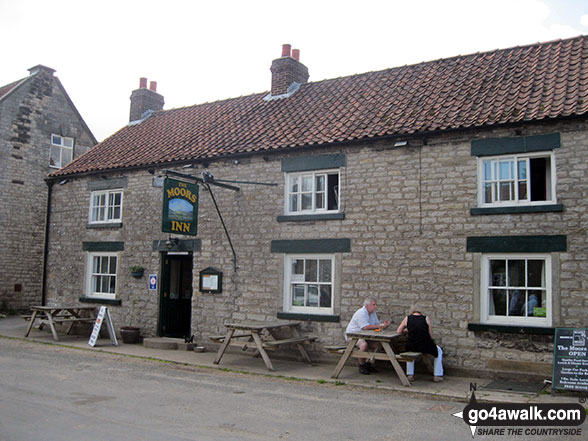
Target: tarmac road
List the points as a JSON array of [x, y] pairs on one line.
[[54, 393]]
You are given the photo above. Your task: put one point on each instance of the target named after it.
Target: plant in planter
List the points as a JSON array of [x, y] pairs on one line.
[[131, 334], [137, 270]]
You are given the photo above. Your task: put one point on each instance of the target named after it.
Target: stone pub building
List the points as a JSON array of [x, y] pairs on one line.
[[457, 184]]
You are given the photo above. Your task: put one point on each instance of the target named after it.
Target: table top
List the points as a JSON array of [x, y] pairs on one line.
[[66, 307], [385, 335], [258, 326]]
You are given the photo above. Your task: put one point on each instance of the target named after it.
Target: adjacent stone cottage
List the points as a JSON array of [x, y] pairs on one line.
[[40, 131], [457, 184]]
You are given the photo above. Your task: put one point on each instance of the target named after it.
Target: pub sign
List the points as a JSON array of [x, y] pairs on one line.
[[180, 207]]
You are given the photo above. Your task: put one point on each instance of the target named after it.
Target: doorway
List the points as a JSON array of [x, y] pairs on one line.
[[175, 305]]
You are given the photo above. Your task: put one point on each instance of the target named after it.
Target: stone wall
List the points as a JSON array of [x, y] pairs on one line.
[[28, 116], [407, 214]]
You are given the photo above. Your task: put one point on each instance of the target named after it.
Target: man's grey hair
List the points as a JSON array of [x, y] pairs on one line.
[[369, 300]]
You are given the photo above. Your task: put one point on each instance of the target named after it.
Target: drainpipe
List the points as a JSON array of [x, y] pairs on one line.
[[46, 244]]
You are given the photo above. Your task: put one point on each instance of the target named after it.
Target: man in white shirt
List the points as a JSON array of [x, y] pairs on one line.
[[364, 319]]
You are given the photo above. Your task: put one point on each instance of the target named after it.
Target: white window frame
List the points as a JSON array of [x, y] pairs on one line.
[[60, 142], [289, 177], [91, 275], [485, 315], [108, 207], [515, 158], [288, 282]]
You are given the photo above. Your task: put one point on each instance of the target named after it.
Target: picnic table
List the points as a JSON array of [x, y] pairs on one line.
[[262, 336], [69, 314], [390, 341]]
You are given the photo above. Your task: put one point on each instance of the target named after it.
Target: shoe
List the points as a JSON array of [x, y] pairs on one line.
[[371, 368], [363, 369], [437, 379], [410, 377]]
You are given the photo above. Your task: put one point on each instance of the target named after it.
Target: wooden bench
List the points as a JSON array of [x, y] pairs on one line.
[[60, 319], [402, 356], [286, 341], [267, 344], [221, 338], [61, 315], [244, 345], [73, 319], [335, 349], [262, 336]]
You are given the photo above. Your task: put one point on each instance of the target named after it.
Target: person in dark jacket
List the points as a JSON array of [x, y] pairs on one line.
[[420, 339]]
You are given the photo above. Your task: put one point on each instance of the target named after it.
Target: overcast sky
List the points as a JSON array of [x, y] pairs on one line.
[[201, 51]]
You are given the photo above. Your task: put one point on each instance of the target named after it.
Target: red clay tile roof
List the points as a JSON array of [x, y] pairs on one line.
[[535, 82], [4, 90]]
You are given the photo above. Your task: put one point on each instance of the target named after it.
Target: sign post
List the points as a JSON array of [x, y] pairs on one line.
[[570, 359], [103, 314]]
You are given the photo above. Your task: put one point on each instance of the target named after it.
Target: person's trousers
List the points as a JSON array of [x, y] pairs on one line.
[[437, 364]]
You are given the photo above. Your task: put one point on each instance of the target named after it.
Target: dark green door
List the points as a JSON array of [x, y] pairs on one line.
[[175, 311]]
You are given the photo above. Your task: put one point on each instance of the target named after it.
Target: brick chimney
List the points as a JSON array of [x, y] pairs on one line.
[[287, 70], [144, 99]]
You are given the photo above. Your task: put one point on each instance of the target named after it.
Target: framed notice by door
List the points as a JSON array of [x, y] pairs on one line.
[[211, 281]]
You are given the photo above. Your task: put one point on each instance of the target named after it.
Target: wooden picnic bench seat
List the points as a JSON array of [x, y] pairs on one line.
[[63, 320], [73, 319], [267, 344], [335, 349], [221, 338], [244, 345], [403, 356], [60, 318], [293, 340]]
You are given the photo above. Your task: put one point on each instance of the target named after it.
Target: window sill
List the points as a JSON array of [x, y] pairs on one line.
[[104, 226], [510, 329], [308, 317], [114, 302], [311, 217], [519, 209]]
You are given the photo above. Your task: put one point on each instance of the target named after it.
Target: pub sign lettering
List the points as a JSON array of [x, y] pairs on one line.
[[180, 207]]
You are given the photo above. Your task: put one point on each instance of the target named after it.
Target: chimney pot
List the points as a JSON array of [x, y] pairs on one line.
[[286, 50], [153, 86], [296, 54], [142, 83]]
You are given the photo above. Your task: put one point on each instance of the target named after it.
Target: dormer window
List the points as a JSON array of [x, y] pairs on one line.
[[61, 151]]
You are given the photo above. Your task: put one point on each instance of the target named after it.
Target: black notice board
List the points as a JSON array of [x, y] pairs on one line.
[[570, 359]]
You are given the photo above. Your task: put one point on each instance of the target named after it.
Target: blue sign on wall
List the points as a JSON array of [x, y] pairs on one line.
[[153, 282]]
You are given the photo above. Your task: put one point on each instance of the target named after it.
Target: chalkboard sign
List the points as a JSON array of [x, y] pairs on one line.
[[570, 359]]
